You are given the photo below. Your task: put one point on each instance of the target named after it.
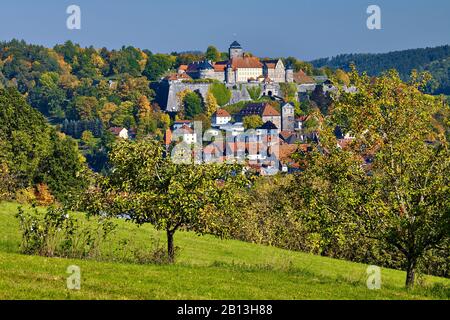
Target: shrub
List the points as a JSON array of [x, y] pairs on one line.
[[8, 184], [25, 195], [43, 195], [129, 251], [56, 234]]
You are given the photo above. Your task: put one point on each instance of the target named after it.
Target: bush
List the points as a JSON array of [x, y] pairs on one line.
[[129, 251], [56, 234], [43, 195], [25, 195]]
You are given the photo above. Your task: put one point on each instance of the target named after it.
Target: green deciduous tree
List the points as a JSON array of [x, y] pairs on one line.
[[193, 105], [32, 152], [391, 183], [252, 122], [213, 54], [150, 188], [158, 65], [288, 91]]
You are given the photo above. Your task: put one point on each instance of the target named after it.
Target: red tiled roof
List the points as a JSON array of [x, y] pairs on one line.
[[185, 129], [302, 118], [214, 148], [177, 76], [221, 113], [271, 64], [286, 151], [269, 111], [285, 134], [220, 66], [246, 62], [183, 67], [116, 130], [302, 78], [261, 109]]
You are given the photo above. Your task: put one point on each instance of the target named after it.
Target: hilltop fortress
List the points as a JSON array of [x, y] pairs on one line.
[[240, 68], [238, 73]]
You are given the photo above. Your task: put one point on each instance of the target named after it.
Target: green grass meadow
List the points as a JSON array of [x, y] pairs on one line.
[[206, 268]]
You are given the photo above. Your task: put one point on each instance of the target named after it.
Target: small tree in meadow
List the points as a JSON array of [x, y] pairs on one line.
[[147, 187], [391, 183]]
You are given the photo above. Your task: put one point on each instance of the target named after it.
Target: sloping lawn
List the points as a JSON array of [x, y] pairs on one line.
[[207, 268]]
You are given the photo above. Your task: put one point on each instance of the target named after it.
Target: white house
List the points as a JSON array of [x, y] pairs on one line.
[[120, 132], [300, 122], [186, 133], [220, 117]]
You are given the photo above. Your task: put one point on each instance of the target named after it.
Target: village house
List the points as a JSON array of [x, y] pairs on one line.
[[275, 70], [185, 133], [122, 133], [264, 110], [233, 129], [220, 117], [180, 123]]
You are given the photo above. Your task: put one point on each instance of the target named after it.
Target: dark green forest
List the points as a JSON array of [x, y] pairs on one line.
[[434, 60]]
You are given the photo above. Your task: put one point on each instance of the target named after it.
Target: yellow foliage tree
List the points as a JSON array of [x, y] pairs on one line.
[[106, 113], [211, 104]]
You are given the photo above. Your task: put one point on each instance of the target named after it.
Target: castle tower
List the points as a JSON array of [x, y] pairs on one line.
[[288, 117], [236, 50], [229, 75], [289, 73]]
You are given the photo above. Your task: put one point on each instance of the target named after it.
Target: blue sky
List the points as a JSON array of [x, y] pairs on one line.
[[306, 29]]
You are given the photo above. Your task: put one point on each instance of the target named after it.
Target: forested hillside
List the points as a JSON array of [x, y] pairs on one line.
[[36, 161], [435, 60]]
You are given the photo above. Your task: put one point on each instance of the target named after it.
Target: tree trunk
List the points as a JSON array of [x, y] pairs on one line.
[[170, 247], [410, 272]]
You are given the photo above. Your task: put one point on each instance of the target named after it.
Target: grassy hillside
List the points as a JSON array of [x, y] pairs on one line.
[[207, 268]]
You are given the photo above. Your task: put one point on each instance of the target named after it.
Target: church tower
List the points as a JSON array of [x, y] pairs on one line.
[[236, 50], [289, 73], [229, 74]]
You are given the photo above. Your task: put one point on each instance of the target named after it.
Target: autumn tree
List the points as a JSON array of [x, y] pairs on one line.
[[288, 91], [86, 107], [211, 104], [147, 187], [252, 122], [342, 77], [212, 54], [391, 182], [106, 113]]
